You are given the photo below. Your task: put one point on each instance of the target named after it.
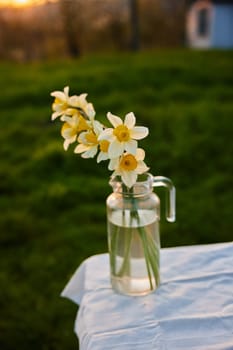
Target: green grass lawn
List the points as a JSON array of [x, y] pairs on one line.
[[53, 202]]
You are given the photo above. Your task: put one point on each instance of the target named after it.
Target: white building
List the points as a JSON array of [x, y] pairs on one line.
[[210, 24]]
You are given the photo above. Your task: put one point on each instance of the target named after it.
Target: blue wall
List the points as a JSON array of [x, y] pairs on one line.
[[222, 29]]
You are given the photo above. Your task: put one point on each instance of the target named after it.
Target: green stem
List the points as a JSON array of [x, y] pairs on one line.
[[128, 239], [150, 248], [145, 248], [113, 247], [151, 257], [148, 256], [125, 265], [151, 251]]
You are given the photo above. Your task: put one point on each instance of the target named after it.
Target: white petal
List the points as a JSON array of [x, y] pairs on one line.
[[66, 145], [130, 120], [141, 168], [131, 146], [67, 119], [72, 139], [73, 101], [63, 117], [114, 120], [106, 134], [98, 127], [140, 154], [66, 91], [129, 178], [81, 148], [139, 132], [90, 110], [59, 94], [83, 98], [55, 115], [113, 164], [102, 156], [90, 153], [82, 137], [115, 149]]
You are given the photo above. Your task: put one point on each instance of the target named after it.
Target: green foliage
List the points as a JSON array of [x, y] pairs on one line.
[[53, 202]]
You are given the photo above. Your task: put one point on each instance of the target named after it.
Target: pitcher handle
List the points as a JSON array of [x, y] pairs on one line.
[[159, 181]]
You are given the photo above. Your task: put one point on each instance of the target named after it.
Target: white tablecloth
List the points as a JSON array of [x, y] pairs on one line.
[[192, 308]]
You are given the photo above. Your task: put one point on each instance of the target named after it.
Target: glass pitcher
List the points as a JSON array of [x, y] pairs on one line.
[[133, 233]]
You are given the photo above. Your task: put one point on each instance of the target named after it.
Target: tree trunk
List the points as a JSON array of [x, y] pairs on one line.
[[134, 23], [69, 12]]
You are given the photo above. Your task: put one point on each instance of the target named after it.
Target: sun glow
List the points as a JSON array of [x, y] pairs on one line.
[[19, 3]]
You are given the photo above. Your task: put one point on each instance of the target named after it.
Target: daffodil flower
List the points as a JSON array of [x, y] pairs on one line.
[[123, 136], [81, 104], [65, 105], [129, 166], [61, 102], [72, 127], [88, 141]]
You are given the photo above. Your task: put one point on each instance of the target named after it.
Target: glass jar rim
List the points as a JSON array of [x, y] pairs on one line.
[[143, 185]]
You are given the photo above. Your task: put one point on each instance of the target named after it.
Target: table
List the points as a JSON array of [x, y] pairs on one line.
[[192, 308]]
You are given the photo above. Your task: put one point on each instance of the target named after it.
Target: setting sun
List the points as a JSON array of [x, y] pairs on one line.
[[21, 2], [18, 3]]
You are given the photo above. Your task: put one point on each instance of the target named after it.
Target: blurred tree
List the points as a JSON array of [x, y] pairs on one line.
[[134, 21], [70, 16], [54, 28], [162, 23]]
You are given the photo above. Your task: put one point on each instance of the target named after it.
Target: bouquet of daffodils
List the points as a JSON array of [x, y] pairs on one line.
[[117, 144]]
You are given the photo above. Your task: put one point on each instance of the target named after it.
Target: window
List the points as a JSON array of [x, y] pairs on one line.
[[202, 22]]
